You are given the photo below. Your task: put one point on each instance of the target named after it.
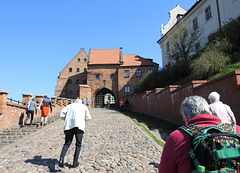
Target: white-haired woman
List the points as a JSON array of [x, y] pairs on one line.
[[175, 156], [220, 110]]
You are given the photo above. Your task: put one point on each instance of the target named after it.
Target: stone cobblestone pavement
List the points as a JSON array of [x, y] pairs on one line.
[[112, 143]]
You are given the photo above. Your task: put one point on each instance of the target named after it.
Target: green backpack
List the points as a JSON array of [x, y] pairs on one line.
[[217, 148]]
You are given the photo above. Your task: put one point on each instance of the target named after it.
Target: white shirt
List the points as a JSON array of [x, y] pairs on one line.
[[223, 112], [75, 115]]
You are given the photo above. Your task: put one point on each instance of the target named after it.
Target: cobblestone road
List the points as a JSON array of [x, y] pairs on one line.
[[111, 143]]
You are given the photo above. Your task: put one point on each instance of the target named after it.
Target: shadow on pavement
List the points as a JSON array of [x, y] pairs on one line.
[[154, 164], [51, 163]]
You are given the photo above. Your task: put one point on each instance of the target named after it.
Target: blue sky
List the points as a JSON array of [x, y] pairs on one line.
[[38, 38]]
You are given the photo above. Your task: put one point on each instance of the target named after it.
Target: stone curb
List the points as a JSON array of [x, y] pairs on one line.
[[158, 147]]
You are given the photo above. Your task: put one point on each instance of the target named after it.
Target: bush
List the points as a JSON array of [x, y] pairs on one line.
[[223, 48], [212, 60]]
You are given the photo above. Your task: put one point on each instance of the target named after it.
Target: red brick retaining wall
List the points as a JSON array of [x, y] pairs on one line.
[[12, 114], [165, 103]]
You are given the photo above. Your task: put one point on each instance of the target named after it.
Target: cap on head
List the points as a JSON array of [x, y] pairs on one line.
[[214, 96]]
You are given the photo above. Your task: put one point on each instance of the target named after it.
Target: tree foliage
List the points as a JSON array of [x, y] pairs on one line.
[[223, 48], [182, 44], [212, 60]]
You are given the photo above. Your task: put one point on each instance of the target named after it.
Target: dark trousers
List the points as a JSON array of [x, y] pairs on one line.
[[68, 140], [28, 115]]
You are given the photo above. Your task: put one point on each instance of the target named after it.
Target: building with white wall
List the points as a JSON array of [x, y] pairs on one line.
[[204, 17]]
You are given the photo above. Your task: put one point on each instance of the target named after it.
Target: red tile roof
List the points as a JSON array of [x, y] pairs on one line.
[[135, 60], [113, 56], [104, 56]]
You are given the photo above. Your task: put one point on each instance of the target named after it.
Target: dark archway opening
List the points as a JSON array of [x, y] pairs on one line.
[[103, 98]]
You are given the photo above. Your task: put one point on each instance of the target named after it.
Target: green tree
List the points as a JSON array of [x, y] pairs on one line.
[[212, 59], [182, 44]]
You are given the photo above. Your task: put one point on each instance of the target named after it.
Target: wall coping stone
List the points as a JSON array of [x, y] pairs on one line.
[[2, 91], [27, 94], [233, 73]]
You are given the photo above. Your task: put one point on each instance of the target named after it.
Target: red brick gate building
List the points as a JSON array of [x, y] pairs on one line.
[[104, 74]]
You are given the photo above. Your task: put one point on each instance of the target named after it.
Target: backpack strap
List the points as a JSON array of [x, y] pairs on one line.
[[192, 129], [224, 127]]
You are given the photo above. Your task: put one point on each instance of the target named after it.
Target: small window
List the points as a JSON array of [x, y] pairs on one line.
[[78, 69], [78, 59], [69, 81], [78, 92], [168, 47], [208, 13], [85, 59], [150, 71], [111, 77], [97, 77], [85, 69], [77, 81], [84, 81], [126, 89], [138, 73], [70, 69], [126, 73], [70, 91], [195, 23]]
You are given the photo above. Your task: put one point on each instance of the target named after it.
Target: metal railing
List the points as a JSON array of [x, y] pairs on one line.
[[14, 101]]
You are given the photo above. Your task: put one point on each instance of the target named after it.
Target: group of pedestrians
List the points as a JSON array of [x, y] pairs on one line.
[[123, 105], [45, 107], [74, 116], [177, 155]]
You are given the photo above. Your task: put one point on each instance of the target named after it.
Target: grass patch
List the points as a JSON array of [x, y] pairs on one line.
[[228, 69], [146, 122]]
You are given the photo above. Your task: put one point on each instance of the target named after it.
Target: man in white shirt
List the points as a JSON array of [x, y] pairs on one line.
[[220, 109], [74, 116]]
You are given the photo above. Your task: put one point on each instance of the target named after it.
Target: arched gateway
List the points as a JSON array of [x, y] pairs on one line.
[[102, 96]]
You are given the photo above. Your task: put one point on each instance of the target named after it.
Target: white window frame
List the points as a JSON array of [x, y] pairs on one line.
[[208, 14], [127, 89], [126, 73], [150, 71], [139, 73]]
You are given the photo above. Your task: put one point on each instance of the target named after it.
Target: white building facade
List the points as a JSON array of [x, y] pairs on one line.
[[204, 17]]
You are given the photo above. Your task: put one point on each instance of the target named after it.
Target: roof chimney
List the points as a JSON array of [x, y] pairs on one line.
[[121, 56], [89, 55]]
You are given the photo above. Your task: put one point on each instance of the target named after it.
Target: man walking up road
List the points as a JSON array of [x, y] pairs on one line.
[[74, 115]]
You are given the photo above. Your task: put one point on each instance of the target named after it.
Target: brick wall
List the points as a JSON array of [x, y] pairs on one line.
[[77, 75], [104, 72], [12, 114], [165, 103], [133, 80]]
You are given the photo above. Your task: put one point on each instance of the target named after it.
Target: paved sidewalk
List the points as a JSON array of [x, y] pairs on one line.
[[112, 143]]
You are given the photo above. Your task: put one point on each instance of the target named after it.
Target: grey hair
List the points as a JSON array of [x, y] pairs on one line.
[[193, 106], [214, 96]]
